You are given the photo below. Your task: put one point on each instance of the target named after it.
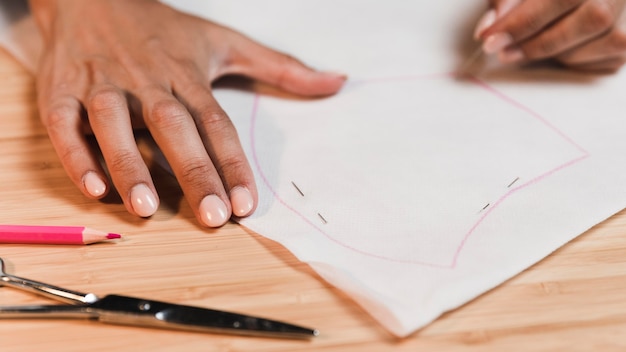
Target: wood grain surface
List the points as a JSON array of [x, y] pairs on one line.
[[574, 300]]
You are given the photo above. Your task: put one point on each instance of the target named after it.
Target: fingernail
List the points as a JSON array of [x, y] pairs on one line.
[[241, 201], [143, 201], [338, 75], [497, 42], [213, 211], [511, 56], [94, 184], [485, 22]]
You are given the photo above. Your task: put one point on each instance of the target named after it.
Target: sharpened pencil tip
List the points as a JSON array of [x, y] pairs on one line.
[[113, 235]]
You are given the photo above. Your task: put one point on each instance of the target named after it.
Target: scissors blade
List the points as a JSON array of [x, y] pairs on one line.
[[126, 310], [47, 311]]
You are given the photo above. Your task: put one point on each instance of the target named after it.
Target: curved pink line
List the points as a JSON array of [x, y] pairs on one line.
[[504, 197], [299, 214], [469, 233], [529, 111]]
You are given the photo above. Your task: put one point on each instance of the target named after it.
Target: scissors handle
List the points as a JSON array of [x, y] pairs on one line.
[[51, 291]]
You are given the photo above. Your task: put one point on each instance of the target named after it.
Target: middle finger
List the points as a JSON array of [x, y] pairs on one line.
[[176, 134]]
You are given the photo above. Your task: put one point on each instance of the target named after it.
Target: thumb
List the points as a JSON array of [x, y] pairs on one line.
[[282, 71]]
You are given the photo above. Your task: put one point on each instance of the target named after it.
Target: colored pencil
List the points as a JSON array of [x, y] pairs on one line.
[[28, 234]]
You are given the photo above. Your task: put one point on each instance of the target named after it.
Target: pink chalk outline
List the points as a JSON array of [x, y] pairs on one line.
[[461, 245]]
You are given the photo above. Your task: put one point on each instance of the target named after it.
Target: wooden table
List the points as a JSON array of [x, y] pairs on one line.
[[574, 300]]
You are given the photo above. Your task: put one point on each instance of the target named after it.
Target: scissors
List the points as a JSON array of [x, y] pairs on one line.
[[118, 309]]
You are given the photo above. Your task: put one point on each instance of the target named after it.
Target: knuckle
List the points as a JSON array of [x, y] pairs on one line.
[[527, 24], [195, 172], [123, 162], [235, 166], [542, 48], [61, 112], [105, 99], [212, 117], [599, 16], [69, 154], [57, 117], [216, 121], [167, 114]]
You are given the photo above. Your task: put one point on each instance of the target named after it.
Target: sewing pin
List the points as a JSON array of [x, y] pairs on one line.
[[297, 188], [469, 62], [511, 184]]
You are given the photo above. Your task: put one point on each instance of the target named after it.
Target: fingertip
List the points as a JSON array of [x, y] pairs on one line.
[[497, 42], [323, 83], [287, 73], [493, 20], [334, 75], [213, 211], [143, 200], [94, 184], [332, 86], [486, 21], [241, 201]]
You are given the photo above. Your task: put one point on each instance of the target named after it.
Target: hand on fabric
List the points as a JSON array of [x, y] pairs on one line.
[[106, 62], [587, 35]]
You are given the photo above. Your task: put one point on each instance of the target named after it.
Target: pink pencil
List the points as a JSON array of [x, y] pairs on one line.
[[52, 234]]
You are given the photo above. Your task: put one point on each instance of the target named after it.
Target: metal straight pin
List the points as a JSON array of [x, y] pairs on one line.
[[464, 69], [321, 217], [511, 184], [297, 188]]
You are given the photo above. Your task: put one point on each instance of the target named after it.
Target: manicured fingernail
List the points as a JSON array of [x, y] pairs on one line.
[[213, 211], [334, 74], [485, 22], [94, 184], [241, 201], [143, 201], [497, 42], [511, 56]]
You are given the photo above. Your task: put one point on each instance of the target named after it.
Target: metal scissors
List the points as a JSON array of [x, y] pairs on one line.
[[118, 309]]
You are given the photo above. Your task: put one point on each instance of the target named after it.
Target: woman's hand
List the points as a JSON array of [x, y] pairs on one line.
[[106, 61], [581, 34]]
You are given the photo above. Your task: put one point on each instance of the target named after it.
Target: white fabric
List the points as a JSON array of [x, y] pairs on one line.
[[420, 191]]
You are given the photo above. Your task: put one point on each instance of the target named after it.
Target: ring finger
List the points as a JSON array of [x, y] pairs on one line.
[[221, 141]]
